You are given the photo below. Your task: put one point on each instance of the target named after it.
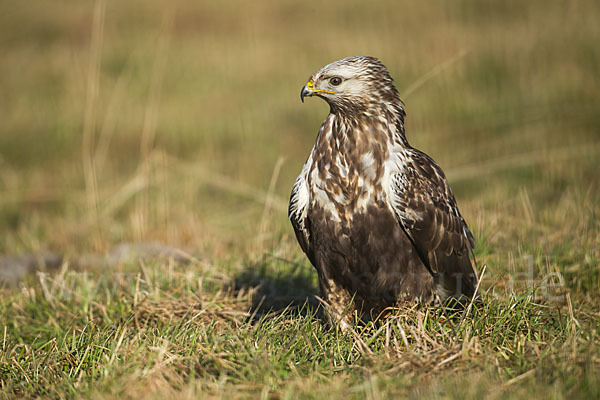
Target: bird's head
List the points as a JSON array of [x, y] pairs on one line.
[[352, 84]]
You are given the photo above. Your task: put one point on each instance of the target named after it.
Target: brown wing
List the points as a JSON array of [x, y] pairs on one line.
[[425, 207], [297, 213]]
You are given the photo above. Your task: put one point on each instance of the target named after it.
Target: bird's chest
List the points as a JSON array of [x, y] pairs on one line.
[[342, 187]]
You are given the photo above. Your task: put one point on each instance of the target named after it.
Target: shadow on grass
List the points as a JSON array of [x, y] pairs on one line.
[[280, 286]]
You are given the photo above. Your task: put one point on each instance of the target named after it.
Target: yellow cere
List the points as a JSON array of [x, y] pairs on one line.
[[310, 86]]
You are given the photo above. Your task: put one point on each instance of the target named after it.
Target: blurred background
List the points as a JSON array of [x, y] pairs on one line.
[[181, 123]]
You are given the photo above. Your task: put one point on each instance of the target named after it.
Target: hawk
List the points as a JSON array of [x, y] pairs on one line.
[[375, 216]]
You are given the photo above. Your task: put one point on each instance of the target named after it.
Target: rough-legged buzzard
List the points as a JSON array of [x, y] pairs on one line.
[[375, 216]]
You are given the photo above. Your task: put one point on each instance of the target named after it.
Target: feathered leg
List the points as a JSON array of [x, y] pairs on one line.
[[339, 304]]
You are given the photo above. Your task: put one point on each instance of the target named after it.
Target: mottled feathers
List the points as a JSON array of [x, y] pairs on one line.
[[375, 216]]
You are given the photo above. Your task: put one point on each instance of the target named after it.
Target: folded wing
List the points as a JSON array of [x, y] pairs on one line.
[[426, 209]]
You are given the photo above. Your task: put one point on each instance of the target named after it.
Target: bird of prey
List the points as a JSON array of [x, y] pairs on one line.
[[375, 216]]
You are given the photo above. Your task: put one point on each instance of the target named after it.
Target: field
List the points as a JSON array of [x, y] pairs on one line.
[[147, 152]]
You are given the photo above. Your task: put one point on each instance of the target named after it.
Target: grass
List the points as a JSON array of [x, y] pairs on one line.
[[187, 332], [180, 123]]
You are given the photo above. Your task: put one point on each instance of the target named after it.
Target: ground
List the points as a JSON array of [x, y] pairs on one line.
[[148, 124]]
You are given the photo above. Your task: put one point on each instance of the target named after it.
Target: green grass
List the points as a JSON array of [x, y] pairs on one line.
[[180, 123], [189, 332]]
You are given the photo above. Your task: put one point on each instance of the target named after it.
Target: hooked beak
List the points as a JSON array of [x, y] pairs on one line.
[[307, 90]]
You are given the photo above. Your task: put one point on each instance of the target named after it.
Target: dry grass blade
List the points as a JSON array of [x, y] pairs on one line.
[[519, 378], [89, 125], [432, 73], [475, 295], [527, 159], [269, 201]]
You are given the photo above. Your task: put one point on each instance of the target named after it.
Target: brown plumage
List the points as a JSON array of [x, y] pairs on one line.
[[375, 216]]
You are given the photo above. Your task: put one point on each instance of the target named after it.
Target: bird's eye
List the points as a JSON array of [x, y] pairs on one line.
[[335, 81]]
